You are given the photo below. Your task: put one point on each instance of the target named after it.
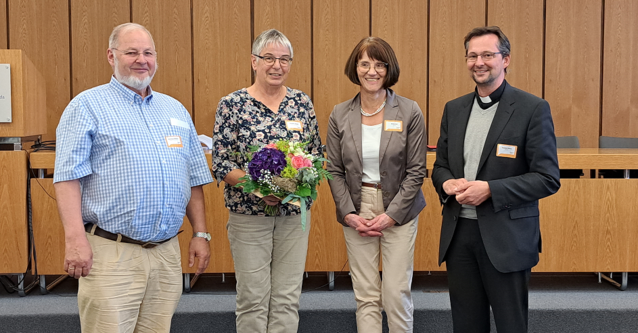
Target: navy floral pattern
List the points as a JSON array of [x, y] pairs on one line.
[[242, 121]]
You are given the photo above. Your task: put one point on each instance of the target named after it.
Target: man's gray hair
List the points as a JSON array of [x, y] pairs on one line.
[[271, 36], [125, 27]]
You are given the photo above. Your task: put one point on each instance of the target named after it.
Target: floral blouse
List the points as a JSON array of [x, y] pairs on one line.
[[242, 121]]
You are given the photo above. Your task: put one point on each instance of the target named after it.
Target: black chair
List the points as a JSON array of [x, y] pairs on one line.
[[616, 142], [569, 142]]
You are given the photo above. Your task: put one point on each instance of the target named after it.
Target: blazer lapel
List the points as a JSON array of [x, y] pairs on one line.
[[391, 112], [354, 118], [502, 116]]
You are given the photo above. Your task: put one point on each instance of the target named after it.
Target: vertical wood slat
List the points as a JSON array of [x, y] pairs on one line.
[[337, 27], [572, 67], [13, 220], [91, 25], [450, 21], [3, 24], [170, 24], [389, 21], [620, 69], [221, 55], [522, 22], [293, 19], [41, 29], [221, 65]]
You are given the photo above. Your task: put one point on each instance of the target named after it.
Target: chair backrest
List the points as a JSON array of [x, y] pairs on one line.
[[616, 142], [567, 142]]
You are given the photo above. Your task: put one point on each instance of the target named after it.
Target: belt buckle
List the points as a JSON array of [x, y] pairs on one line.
[[377, 186], [149, 245]]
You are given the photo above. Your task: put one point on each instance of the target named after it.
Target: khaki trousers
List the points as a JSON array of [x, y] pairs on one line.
[[129, 288], [373, 294], [270, 257]]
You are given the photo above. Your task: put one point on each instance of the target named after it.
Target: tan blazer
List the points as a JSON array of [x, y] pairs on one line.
[[401, 158]]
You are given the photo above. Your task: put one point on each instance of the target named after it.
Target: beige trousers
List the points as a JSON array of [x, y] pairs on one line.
[[129, 288], [270, 257], [392, 293]]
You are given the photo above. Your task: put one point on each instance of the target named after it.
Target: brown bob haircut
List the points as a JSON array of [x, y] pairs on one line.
[[379, 50]]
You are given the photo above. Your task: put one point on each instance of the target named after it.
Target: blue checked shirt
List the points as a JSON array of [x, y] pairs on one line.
[[117, 145]]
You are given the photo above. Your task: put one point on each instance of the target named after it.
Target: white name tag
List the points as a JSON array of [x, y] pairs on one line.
[[180, 123], [393, 125], [294, 125], [174, 141], [506, 151]]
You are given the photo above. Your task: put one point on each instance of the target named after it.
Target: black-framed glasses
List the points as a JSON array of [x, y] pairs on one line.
[[378, 66], [269, 60], [486, 56], [134, 53]]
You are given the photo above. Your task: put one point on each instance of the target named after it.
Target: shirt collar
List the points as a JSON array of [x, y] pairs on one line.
[[494, 97], [129, 94]]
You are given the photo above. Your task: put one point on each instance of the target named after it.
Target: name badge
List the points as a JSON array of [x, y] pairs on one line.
[[506, 151], [294, 125], [174, 141], [393, 126], [180, 123]]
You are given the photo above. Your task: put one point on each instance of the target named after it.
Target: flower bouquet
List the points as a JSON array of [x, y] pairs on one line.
[[284, 170]]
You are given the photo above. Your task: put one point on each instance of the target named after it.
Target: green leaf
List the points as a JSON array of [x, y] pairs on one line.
[[303, 191]]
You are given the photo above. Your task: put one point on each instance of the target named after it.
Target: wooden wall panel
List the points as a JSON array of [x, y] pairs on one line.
[[294, 19], [334, 37], [389, 21], [426, 249], [14, 249], [91, 26], [170, 24], [221, 55], [41, 29], [48, 232], [3, 24], [572, 67], [522, 22], [620, 69], [450, 21]]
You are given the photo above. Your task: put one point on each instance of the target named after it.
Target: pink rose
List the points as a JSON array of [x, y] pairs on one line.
[[299, 161], [271, 146]]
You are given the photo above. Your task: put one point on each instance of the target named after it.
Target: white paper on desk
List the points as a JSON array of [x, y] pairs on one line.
[[206, 140]]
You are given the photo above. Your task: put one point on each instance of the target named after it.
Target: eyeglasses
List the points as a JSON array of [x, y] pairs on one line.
[[269, 60], [134, 54], [379, 67], [486, 56]]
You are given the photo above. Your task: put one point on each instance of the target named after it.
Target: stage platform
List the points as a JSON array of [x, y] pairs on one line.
[[562, 303]]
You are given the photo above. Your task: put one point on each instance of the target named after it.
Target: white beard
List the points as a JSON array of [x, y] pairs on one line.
[[132, 81]]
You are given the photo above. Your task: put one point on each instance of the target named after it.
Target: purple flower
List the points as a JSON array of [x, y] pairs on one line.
[[269, 159]]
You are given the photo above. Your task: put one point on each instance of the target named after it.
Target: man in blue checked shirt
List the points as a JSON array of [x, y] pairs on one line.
[[128, 167]]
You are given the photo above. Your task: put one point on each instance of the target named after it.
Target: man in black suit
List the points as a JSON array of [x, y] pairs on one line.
[[496, 157]]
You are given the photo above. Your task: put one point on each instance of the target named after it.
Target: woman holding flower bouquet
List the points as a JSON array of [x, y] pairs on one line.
[[377, 147], [261, 129]]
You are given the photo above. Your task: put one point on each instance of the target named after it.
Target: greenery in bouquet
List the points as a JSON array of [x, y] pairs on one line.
[[285, 170]]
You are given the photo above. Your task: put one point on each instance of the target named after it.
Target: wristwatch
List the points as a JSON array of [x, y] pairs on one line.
[[204, 235]]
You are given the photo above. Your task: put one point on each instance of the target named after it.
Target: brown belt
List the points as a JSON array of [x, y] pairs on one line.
[[373, 185], [121, 238]]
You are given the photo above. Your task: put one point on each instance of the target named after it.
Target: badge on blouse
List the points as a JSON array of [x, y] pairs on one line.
[[393, 126], [294, 125], [508, 151], [174, 141]]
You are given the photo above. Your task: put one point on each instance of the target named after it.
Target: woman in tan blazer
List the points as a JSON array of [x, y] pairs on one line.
[[377, 146]]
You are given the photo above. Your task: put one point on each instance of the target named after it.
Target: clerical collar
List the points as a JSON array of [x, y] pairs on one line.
[[493, 98]]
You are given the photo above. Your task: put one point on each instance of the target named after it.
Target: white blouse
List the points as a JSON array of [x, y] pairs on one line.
[[371, 140]]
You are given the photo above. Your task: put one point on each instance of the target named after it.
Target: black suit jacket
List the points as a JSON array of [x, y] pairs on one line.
[[509, 219]]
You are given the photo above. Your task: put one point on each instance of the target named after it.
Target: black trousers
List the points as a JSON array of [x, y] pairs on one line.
[[475, 285]]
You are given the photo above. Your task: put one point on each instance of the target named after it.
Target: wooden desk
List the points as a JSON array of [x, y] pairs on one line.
[[587, 226]]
